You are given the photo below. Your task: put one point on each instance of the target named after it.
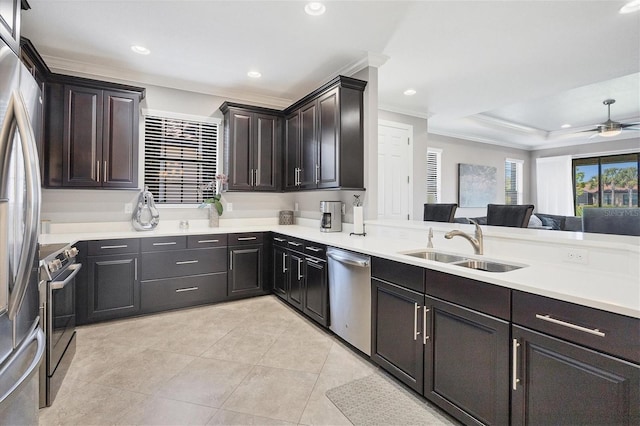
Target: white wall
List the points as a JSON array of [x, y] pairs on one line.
[[455, 151]]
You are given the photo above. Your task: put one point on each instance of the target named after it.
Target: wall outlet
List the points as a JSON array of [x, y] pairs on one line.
[[295, 207], [229, 207], [128, 208], [574, 255]]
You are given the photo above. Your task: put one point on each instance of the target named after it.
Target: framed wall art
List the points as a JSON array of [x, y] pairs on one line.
[[477, 185]]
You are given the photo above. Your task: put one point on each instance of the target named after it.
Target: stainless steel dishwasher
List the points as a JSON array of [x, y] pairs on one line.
[[350, 297]]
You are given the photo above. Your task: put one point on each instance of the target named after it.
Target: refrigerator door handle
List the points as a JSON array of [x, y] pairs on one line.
[[17, 110], [36, 334]]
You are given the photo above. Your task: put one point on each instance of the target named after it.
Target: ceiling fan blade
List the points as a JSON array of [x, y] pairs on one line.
[[626, 125]]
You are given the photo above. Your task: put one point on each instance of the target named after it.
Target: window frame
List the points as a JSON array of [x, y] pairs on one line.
[[437, 152], [598, 159], [519, 180], [217, 122]]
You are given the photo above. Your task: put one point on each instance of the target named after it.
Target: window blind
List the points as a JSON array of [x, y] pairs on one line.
[[513, 182], [433, 176], [180, 157]]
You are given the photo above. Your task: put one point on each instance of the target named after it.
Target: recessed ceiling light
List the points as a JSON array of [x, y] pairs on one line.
[[566, 126], [141, 50], [254, 74], [630, 7], [409, 92], [315, 8]]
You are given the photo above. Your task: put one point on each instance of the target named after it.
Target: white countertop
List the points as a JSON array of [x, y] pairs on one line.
[[609, 291]]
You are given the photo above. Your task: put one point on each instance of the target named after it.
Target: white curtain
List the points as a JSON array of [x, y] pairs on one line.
[[554, 185]]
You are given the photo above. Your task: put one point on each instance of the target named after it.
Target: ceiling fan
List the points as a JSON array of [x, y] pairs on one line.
[[611, 128]]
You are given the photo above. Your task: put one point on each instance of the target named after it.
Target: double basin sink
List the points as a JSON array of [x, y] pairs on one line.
[[466, 262]]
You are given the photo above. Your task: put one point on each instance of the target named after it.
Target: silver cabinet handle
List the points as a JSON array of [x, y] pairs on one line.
[[97, 171], [425, 335], [135, 269], [114, 247], [186, 262], [317, 173], [105, 171], [514, 366], [230, 260], [295, 244], [250, 177], [317, 262], [247, 238], [284, 263], [299, 270], [415, 321], [314, 249], [255, 181], [182, 290], [548, 318], [297, 176], [280, 240], [172, 243], [207, 241]]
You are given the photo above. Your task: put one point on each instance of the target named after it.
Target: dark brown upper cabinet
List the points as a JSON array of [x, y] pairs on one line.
[[323, 138], [252, 140], [92, 134]]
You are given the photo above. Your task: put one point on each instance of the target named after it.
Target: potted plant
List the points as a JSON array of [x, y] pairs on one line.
[[213, 203]]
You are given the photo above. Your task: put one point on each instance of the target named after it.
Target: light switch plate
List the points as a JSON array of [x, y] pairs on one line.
[[128, 208]]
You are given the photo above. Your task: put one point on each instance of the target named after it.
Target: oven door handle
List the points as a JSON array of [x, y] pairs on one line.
[[59, 285]]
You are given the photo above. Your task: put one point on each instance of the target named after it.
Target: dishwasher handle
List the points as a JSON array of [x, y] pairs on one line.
[[349, 258]]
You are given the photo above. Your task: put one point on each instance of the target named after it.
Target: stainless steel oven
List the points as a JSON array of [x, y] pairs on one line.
[[58, 269]]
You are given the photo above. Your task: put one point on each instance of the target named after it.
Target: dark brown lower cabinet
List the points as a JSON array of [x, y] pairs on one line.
[[295, 295], [559, 383], [113, 288], [245, 271], [457, 357], [169, 293], [466, 362], [396, 341], [280, 271], [316, 291]]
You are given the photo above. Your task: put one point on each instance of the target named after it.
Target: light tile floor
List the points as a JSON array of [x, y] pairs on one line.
[[249, 362]]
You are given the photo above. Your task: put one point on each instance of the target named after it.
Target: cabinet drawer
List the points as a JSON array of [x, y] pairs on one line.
[[179, 263], [245, 238], [205, 241], [315, 249], [122, 246], [186, 291], [605, 331], [486, 298], [280, 240], [409, 276], [164, 243], [295, 244]]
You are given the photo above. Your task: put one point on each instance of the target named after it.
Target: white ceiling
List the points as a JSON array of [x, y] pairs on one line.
[[505, 72]]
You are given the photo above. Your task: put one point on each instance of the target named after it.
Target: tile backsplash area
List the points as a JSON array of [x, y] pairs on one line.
[[78, 205]]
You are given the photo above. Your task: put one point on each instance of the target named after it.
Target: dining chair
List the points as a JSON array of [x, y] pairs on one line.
[[439, 212], [515, 216]]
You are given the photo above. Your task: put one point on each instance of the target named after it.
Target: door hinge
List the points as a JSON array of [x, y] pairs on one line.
[[408, 141], [408, 179], [408, 216]]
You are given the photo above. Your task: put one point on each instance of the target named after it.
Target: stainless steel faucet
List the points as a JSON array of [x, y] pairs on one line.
[[430, 242], [476, 242]]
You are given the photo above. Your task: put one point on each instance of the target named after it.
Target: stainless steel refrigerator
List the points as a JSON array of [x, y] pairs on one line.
[[22, 342]]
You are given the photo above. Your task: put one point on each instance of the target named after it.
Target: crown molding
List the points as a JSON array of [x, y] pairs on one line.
[[409, 112], [84, 69], [375, 60], [478, 139]]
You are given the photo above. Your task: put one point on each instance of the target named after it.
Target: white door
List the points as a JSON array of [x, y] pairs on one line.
[[395, 170]]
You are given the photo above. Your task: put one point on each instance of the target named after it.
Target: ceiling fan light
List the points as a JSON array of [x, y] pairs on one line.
[[630, 7], [610, 132]]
